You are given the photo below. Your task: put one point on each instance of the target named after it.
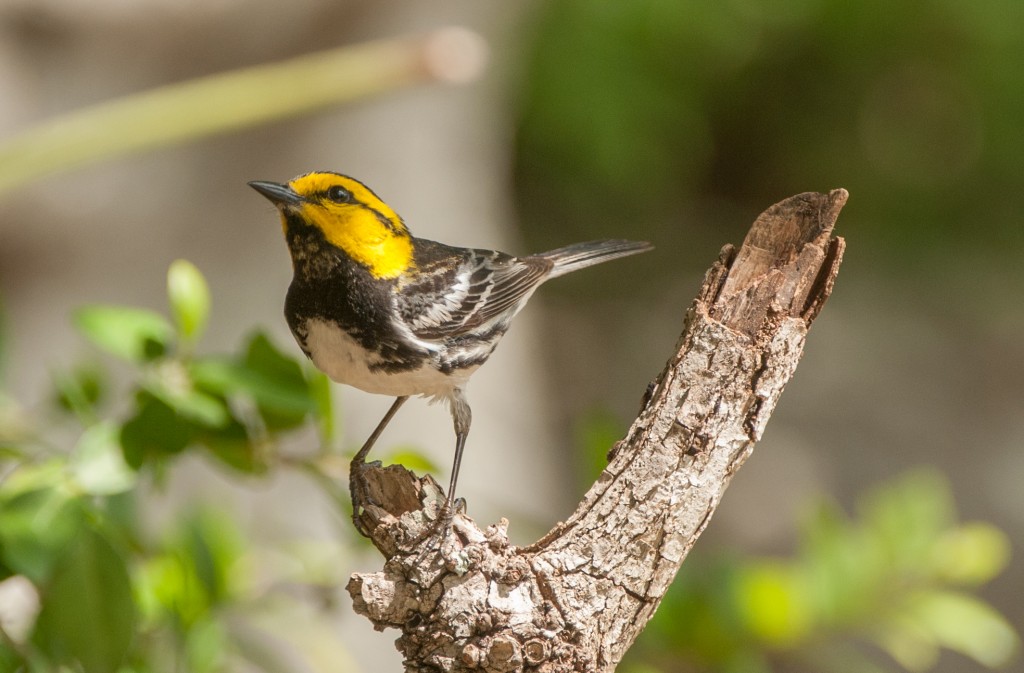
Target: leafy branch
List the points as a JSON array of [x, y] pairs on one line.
[[106, 590]]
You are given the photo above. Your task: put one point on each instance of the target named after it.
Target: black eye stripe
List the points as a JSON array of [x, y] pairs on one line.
[[382, 218], [338, 194]]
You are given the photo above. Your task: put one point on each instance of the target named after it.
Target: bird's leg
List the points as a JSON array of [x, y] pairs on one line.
[[355, 486], [360, 456], [460, 444], [462, 417]]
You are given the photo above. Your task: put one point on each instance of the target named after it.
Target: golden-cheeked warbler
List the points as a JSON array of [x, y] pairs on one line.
[[376, 308]]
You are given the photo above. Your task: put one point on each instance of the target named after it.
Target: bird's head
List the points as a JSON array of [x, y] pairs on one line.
[[348, 215]]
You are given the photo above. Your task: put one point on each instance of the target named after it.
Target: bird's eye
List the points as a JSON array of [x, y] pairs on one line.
[[339, 194]]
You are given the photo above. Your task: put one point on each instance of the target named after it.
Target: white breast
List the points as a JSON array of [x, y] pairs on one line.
[[344, 360]]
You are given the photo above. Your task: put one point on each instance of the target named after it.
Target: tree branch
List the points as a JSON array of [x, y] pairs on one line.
[[576, 599]]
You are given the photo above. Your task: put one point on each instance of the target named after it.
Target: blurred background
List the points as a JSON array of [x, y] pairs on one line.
[[670, 121]]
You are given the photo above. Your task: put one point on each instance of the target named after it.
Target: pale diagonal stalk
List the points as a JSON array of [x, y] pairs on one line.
[[234, 100]]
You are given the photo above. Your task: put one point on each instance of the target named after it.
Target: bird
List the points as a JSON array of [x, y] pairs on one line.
[[376, 308]]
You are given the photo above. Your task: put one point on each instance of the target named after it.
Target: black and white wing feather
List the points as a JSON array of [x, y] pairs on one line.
[[461, 291], [458, 290]]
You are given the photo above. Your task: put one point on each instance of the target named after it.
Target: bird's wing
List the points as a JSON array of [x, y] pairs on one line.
[[457, 290]]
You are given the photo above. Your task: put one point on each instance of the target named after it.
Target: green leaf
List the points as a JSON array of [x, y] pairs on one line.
[[910, 644], [11, 660], [273, 380], [223, 377], [98, 463], [772, 601], [842, 570], [232, 446], [193, 405], [283, 393], [87, 613], [80, 390], [39, 514], [171, 381], [409, 458], [208, 647], [907, 516], [261, 355], [213, 544], [32, 477], [129, 333], [165, 586], [189, 297], [154, 432], [967, 625], [196, 571], [34, 527], [971, 554]]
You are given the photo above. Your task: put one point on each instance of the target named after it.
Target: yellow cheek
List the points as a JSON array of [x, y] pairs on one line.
[[393, 258], [384, 253]]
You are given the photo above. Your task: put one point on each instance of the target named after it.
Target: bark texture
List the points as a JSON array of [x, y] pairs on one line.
[[576, 599]]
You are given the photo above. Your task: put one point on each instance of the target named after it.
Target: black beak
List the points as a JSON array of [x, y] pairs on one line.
[[278, 194]]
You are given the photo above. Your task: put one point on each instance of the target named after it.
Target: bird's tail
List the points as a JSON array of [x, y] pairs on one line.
[[581, 255]]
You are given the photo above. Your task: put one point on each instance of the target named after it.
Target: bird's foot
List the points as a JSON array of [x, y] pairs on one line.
[[435, 533]]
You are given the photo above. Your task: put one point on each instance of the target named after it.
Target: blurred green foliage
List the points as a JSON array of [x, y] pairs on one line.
[[898, 578], [673, 120], [107, 592]]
